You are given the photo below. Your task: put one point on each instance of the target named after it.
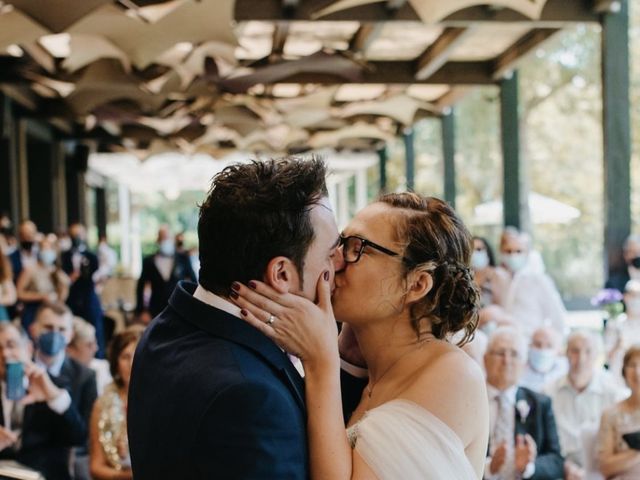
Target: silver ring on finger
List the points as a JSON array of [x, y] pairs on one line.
[[271, 320]]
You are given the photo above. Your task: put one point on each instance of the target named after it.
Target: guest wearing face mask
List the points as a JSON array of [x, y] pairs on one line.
[[631, 269], [625, 331], [60, 396], [26, 254], [532, 299], [81, 265], [493, 282], [44, 281], [160, 274], [544, 364]]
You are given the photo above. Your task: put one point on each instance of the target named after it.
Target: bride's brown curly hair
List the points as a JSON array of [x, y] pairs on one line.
[[437, 241]]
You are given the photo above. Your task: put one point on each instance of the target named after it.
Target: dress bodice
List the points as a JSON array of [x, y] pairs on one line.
[[401, 439]]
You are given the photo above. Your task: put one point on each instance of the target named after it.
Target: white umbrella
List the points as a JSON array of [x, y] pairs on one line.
[[542, 210]]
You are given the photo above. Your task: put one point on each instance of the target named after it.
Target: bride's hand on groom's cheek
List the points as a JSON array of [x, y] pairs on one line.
[[295, 323]]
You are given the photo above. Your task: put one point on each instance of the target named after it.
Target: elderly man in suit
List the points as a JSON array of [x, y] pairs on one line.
[[523, 440], [40, 430], [211, 396]]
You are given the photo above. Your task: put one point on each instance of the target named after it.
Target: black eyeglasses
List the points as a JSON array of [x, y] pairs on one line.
[[352, 248]]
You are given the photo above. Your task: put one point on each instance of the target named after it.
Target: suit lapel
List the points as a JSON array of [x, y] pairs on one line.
[[224, 325], [524, 423]]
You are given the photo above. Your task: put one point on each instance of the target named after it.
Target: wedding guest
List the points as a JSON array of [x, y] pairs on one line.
[[81, 264], [624, 331], [110, 458], [161, 272], [578, 400], [7, 288], [631, 268], [544, 363], [25, 255], [523, 441], [83, 349], [43, 281], [493, 282], [532, 299], [617, 459]]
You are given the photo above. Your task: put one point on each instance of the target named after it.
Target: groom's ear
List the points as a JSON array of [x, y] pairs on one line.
[[282, 274]]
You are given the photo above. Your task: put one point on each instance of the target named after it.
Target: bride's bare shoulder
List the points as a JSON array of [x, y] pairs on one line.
[[452, 386]]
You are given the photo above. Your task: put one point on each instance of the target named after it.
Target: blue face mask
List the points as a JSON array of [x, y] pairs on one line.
[[48, 257], [51, 343]]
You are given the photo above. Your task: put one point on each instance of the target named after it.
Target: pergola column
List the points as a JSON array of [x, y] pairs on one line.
[[447, 123], [382, 156], [617, 133], [410, 157], [514, 197]]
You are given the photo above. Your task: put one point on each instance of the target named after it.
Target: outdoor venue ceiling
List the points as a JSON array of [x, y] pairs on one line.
[[260, 75]]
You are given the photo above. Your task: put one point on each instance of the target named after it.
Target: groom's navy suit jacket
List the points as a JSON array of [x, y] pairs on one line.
[[211, 397]]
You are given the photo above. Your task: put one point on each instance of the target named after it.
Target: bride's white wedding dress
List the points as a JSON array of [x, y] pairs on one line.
[[402, 440]]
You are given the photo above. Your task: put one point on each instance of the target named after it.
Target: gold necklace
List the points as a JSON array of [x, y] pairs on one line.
[[369, 388]]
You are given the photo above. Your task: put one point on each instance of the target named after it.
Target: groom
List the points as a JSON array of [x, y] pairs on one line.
[[210, 396]]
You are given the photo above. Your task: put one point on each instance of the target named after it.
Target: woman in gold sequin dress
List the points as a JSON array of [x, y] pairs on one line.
[[109, 448]]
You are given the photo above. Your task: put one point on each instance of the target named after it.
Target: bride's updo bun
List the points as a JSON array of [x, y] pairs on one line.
[[437, 241]]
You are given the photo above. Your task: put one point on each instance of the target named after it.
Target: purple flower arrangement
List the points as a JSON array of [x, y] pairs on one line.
[[610, 300]]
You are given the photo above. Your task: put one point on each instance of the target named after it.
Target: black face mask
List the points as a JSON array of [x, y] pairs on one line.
[[635, 262], [28, 246], [76, 242]]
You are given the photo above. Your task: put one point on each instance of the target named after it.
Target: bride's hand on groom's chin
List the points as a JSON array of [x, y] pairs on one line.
[[299, 326]]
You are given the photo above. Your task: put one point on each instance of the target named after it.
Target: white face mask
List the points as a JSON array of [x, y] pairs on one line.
[[514, 261], [479, 259], [542, 359], [632, 306]]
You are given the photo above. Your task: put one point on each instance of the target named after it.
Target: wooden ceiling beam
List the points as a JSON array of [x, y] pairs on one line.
[[507, 60], [555, 13], [453, 73], [280, 34], [364, 37], [437, 54]]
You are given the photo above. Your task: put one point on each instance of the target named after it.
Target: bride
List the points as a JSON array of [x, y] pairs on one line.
[[405, 288]]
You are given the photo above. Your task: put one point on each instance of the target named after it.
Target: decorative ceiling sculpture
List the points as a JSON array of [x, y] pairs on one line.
[[213, 75]]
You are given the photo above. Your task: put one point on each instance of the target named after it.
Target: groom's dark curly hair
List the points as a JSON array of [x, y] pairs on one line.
[[255, 212]]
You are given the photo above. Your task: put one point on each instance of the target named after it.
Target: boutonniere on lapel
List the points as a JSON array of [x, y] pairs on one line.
[[523, 408]]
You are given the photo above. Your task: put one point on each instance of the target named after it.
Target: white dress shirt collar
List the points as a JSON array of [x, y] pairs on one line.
[[216, 301], [510, 393]]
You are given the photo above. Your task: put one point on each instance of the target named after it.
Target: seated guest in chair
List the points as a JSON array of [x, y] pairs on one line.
[[523, 440], [619, 435], [40, 430], [545, 364], [578, 400]]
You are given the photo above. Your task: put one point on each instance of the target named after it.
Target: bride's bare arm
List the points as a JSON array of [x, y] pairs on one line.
[[308, 331]]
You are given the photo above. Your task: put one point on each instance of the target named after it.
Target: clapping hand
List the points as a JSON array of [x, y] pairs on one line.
[[526, 451], [498, 458], [41, 388], [7, 438], [573, 471]]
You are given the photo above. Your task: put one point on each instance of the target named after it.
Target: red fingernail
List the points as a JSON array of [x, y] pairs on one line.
[[253, 284], [235, 286], [326, 276], [233, 294], [243, 312]]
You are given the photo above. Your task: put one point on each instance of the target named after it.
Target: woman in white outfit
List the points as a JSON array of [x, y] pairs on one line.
[[404, 289]]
